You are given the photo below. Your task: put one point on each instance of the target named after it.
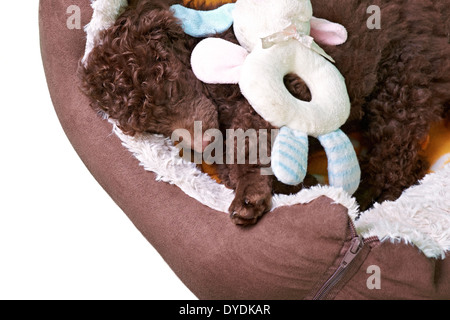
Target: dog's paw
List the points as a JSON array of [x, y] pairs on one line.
[[253, 199]]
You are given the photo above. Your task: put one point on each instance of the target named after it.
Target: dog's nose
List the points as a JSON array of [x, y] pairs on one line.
[[205, 143], [201, 146]]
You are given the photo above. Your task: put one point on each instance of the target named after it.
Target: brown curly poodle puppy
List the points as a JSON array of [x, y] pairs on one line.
[[398, 80], [140, 75]]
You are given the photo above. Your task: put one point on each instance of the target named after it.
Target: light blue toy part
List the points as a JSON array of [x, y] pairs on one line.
[[199, 24], [290, 156], [343, 166]]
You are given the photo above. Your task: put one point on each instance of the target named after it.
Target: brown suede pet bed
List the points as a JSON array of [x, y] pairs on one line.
[[292, 253]]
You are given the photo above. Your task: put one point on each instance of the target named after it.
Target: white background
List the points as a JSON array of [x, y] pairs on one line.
[[61, 236]]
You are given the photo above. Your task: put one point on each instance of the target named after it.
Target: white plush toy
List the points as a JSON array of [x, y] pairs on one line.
[[275, 40]]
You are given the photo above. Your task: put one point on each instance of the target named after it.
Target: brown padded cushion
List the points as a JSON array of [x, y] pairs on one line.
[[287, 255]]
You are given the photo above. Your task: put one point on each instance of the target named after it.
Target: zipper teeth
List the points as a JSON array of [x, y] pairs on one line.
[[340, 271], [343, 266], [355, 234], [371, 239], [351, 253], [331, 282]]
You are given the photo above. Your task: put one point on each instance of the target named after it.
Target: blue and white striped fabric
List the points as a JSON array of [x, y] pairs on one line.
[[290, 156], [343, 166]]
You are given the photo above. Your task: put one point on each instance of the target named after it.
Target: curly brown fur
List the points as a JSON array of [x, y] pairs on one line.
[[140, 74], [398, 81]]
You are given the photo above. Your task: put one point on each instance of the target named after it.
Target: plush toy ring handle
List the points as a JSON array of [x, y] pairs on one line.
[[330, 105]]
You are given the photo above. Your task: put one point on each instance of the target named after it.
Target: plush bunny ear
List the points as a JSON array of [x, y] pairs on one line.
[[326, 32], [215, 60]]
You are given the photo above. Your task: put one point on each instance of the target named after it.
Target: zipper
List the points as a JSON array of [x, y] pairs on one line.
[[356, 245]]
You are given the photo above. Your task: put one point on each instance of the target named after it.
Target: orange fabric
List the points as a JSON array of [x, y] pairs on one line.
[[205, 4], [211, 170], [437, 150]]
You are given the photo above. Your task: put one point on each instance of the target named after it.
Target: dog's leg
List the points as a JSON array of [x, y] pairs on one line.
[[244, 162]]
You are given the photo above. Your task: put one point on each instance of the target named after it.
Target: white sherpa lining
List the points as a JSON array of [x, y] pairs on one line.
[[104, 15], [421, 216]]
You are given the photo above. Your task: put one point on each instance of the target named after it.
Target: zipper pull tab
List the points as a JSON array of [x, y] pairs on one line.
[[356, 245], [352, 252]]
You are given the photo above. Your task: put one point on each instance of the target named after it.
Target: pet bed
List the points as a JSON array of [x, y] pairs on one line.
[[312, 245]]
